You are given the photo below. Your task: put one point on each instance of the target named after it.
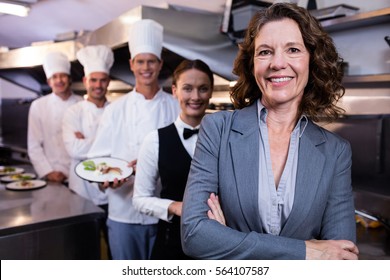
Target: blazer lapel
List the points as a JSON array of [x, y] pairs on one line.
[[310, 166], [244, 147]]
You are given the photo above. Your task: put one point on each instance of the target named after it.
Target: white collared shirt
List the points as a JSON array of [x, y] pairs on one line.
[[146, 198]]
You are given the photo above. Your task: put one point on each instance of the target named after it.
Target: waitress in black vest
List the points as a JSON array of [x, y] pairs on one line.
[[165, 158]]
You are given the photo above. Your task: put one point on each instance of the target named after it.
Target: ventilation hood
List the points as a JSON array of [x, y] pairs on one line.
[[191, 35]]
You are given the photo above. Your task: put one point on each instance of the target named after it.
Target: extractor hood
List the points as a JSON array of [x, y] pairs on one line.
[[191, 35]]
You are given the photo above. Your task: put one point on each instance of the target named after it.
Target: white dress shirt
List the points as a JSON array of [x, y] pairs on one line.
[[46, 148], [83, 117], [122, 129], [146, 198]]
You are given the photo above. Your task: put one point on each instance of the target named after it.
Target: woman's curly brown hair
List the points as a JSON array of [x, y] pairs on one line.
[[324, 87]]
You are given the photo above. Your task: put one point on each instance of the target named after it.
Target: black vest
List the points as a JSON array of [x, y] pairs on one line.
[[173, 163]]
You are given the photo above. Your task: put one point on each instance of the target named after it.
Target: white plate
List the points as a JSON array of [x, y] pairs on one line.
[[10, 170], [32, 185], [95, 176], [18, 177]]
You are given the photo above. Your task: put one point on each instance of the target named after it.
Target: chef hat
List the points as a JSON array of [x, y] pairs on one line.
[[145, 36], [96, 59], [56, 62]]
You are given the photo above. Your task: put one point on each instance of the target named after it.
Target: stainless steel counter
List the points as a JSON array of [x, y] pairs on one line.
[[48, 223]]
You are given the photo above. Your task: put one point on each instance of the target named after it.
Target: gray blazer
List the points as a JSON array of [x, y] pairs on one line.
[[226, 163]]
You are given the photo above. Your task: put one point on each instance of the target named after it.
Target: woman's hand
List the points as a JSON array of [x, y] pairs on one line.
[[215, 212], [175, 208], [331, 250]]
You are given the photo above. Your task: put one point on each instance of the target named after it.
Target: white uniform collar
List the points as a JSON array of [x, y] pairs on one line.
[[140, 96], [93, 105], [180, 124]]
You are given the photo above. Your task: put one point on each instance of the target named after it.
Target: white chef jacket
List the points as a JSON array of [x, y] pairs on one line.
[[84, 117], [122, 129], [147, 177], [46, 148]]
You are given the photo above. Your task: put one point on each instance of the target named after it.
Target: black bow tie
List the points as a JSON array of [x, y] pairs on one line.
[[189, 132]]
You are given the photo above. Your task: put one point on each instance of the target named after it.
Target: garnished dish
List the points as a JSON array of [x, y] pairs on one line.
[[103, 169], [18, 177], [26, 185], [9, 170]]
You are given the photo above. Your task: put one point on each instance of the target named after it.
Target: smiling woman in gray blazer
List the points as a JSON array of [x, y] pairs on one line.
[[283, 184]]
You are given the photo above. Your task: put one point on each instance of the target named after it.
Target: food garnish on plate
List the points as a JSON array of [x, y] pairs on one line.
[[7, 169], [26, 184], [21, 177], [101, 168]]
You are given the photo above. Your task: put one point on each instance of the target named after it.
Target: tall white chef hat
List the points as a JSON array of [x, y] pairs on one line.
[[56, 62], [98, 58], [145, 36]]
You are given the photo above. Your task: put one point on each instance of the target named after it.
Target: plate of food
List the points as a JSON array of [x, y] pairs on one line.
[[102, 169], [9, 170], [18, 177], [26, 185]]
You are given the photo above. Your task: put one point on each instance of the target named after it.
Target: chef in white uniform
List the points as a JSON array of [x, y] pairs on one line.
[[122, 129], [46, 148], [81, 120]]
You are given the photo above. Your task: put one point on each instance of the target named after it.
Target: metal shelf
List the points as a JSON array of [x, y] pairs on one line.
[[371, 18], [358, 20], [378, 81]]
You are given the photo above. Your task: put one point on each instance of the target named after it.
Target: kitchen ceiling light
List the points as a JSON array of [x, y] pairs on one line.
[[13, 8]]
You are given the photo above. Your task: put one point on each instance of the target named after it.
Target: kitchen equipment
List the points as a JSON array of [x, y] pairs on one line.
[[373, 218], [334, 12]]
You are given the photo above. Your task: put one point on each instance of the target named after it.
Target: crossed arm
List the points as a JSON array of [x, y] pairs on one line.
[[315, 249]]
